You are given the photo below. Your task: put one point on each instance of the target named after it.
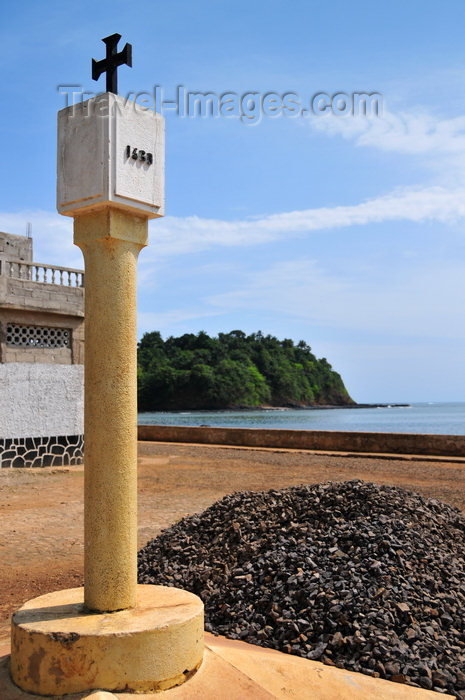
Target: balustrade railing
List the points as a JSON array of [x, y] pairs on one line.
[[45, 274]]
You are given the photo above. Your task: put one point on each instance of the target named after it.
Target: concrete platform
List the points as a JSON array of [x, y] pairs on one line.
[[233, 670], [58, 647]]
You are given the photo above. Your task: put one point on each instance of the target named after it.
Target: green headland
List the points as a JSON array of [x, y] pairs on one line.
[[233, 370]]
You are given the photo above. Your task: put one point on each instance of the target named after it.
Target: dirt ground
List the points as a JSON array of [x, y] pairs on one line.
[[41, 510]]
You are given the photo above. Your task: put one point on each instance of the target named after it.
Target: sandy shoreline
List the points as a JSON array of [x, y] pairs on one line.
[[41, 545]]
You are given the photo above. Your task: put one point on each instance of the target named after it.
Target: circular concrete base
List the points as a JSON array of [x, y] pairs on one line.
[[58, 647]]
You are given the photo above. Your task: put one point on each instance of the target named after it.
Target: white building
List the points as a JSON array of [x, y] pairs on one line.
[[41, 359]]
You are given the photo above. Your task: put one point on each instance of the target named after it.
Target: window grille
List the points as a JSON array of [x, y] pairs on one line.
[[37, 336]]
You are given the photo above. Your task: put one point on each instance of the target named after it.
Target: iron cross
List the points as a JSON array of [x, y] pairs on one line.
[[110, 63]]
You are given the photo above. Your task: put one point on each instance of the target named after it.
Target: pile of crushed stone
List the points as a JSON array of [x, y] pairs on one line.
[[364, 577]]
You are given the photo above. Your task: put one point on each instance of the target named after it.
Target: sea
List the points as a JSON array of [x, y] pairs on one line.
[[431, 418]]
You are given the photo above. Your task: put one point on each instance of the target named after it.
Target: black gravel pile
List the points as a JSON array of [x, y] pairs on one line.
[[368, 578]]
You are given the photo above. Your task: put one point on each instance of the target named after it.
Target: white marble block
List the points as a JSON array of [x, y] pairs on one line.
[[111, 151]]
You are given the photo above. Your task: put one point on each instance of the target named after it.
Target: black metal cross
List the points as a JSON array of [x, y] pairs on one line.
[[110, 63]]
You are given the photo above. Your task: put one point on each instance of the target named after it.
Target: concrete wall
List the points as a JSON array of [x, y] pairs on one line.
[[40, 296], [49, 451], [41, 359], [331, 441], [18, 248], [40, 400], [72, 355], [41, 414]]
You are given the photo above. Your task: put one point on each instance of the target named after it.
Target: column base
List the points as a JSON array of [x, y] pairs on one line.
[[58, 647]]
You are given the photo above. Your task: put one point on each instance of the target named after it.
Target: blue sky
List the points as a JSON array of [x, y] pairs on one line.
[[344, 231]]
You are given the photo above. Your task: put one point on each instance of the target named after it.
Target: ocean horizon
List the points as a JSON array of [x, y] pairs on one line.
[[434, 418]]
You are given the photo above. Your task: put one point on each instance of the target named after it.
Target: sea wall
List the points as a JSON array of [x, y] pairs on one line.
[[325, 440]]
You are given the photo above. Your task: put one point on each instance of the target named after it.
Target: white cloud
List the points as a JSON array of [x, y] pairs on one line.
[[176, 235], [437, 143], [403, 132], [52, 236], [424, 302], [170, 236]]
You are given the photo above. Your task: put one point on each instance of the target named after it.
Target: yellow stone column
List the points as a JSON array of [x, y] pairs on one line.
[[114, 635], [110, 240]]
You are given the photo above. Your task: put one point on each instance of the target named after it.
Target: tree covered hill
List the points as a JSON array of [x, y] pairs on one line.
[[233, 370]]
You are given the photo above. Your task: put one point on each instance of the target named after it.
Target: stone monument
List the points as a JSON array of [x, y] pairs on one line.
[[113, 635]]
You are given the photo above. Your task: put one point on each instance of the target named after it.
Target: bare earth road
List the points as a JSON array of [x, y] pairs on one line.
[[41, 535]]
